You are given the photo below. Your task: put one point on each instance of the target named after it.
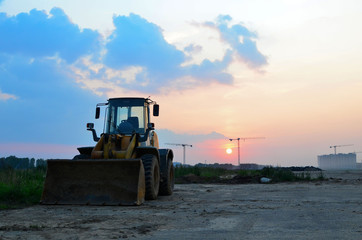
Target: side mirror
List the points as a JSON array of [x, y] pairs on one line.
[[98, 111], [151, 126], [156, 110], [90, 126]]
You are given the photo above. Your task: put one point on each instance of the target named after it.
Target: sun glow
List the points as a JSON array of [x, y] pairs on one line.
[[229, 151]]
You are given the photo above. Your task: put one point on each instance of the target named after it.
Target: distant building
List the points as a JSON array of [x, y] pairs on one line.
[[337, 161], [359, 165]]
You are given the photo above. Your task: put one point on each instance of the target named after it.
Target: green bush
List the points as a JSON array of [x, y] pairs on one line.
[[278, 174], [248, 173]]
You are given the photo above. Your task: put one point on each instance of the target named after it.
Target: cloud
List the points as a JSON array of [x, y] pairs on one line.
[[47, 104], [6, 96], [50, 107], [37, 34], [137, 42], [46, 61], [134, 44], [192, 48], [209, 70], [240, 39]]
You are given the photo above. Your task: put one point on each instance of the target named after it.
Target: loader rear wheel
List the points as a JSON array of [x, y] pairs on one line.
[[167, 184], [152, 176]]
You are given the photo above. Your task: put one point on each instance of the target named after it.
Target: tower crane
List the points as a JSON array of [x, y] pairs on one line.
[[184, 145], [244, 139], [335, 147]]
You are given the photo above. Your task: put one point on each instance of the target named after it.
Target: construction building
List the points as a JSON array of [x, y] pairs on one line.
[[340, 161]]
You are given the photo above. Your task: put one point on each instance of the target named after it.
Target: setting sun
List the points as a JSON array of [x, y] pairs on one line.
[[229, 151]]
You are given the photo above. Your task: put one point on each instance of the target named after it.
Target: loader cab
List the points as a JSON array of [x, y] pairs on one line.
[[129, 115], [126, 116]]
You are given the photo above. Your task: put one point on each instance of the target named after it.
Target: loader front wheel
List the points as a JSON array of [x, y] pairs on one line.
[[152, 176], [168, 181]]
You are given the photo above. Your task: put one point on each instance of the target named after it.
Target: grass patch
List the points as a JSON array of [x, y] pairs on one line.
[[207, 172], [20, 188], [275, 174]]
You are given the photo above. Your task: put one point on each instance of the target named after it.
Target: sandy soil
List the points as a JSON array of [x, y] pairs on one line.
[[317, 210]]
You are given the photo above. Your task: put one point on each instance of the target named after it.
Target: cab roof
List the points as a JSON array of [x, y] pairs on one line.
[[130, 101]]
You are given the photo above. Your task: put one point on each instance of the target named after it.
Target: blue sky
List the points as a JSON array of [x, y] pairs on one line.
[[285, 70]]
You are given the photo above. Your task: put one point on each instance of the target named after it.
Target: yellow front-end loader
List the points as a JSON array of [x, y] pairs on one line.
[[125, 167]]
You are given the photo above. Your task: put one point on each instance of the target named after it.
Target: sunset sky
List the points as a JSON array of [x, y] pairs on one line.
[[289, 71]]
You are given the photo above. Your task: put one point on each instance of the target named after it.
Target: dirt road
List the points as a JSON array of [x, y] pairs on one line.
[[323, 210]]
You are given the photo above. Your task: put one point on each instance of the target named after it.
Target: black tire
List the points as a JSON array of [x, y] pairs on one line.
[[168, 181], [81, 156], [152, 176]]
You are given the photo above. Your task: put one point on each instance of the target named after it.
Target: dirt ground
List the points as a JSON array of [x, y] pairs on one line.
[[317, 210]]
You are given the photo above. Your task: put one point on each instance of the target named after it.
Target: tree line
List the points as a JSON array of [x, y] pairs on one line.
[[13, 162]]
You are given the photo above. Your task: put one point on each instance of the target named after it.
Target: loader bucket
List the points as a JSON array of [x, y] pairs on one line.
[[94, 182]]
